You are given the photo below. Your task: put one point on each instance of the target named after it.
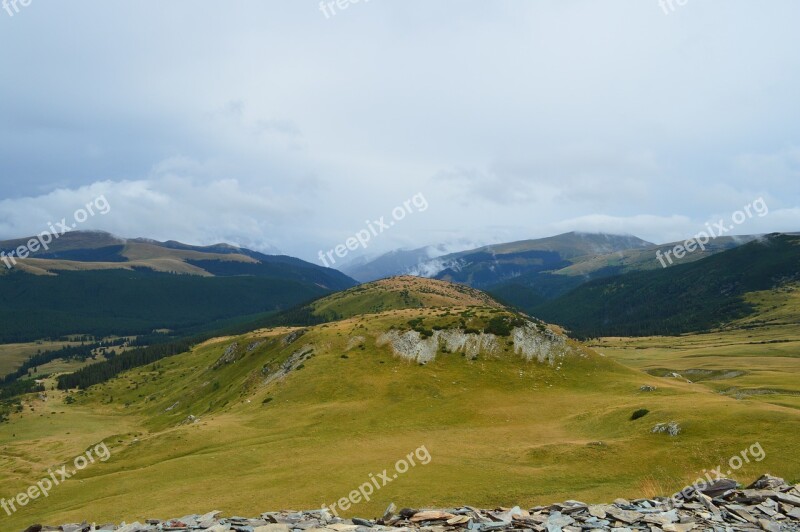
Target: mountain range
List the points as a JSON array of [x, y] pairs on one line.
[[98, 284]]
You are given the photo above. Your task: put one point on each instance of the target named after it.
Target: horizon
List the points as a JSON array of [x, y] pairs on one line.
[[291, 136]]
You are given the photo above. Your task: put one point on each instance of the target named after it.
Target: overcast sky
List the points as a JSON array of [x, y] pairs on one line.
[[271, 125]]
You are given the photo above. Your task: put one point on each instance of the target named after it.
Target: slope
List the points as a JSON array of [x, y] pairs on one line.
[[531, 289], [686, 297], [94, 283], [300, 417]]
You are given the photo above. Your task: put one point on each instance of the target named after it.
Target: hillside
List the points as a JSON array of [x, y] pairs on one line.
[[403, 292], [529, 273], [529, 290], [510, 410], [94, 283], [687, 297], [491, 265], [488, 265]]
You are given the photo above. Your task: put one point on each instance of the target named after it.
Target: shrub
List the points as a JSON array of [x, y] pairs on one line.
[[639, 413]]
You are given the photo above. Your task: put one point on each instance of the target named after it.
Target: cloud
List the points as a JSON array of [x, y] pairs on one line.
[[579, 174], [272, 126]]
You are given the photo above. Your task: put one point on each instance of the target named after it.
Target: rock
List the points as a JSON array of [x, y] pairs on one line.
[[719, 487], [679, 527], [598, 511], [768, 504], [292, 336], [273, 528], [390, 511], [769, 526], [648, 388], [767, 482], [431, 515], [626, 516], [229, 356], [672, 428], [133, 527]]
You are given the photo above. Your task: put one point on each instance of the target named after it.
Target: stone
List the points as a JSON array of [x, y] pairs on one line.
[[598, 511], [768, 504], [390, 511], [679, 527], [767, 482], [627, 516], [275, 527], [431, 515], [672, 428]]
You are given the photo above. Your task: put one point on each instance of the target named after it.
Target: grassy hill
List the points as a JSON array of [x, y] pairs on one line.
[[299, 417], [498, 263], [402, 292], [97, 284], [531, 289], [685, 297]]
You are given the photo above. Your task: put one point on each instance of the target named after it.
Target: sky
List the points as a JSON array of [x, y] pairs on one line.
[[286, 127]]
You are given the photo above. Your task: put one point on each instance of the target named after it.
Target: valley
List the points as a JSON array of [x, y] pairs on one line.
[[290, 417]]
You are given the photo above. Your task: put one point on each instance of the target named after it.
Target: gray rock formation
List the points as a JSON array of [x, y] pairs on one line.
[[528, 341]]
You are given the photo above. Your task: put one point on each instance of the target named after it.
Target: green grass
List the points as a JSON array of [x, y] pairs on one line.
[[13, 355], [500, 430]]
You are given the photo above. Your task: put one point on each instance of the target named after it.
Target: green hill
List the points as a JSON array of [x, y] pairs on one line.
[[96, 284], [686, 297], [510, 410], [491, 265]]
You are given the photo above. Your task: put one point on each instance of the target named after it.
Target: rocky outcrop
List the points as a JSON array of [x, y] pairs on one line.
[[229, 356], [294, 362], [672, 428], [528, 341], [541, 345], [768, 504]]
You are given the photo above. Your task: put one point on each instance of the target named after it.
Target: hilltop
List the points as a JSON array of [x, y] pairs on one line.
[[510, 409], [692, 296], [93, 283]]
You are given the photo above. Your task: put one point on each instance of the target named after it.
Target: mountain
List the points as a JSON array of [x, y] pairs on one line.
[[508, 408], [693, 296], [420, 261], [97, 284], [396, 262], [492, 265], [531, 289], [489, 265]]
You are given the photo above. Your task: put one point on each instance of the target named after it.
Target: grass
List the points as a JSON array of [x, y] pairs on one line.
[[754, 359], [499, 430], [13, 355]]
